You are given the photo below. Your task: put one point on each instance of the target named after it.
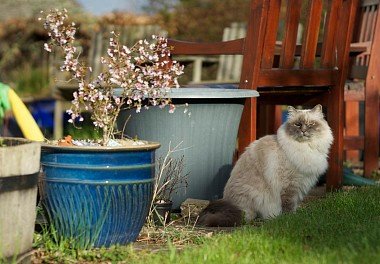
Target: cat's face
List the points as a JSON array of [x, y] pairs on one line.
[[303, 125]]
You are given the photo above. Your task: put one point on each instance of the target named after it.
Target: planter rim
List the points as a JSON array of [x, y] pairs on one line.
[[212, 93], [24, 140], [204, 93], [164, 203], [18, 150], [147, 146]]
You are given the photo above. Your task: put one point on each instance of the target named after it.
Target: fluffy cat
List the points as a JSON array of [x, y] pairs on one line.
[[275, 172]]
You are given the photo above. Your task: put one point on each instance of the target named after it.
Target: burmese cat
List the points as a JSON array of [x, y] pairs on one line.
[[275, 172]]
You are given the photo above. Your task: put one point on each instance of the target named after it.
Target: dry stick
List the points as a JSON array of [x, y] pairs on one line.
[[165, 164], [124, 126]]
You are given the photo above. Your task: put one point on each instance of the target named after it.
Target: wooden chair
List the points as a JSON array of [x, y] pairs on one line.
[[229, 66], [286, 83], [362, 68], [363, 86]]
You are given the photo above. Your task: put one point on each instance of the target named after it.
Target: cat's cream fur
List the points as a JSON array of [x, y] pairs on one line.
[[276, 172]]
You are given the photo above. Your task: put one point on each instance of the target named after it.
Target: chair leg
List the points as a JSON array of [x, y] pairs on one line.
[[277, 117], [247, 129], [371, 133], [334, 177]]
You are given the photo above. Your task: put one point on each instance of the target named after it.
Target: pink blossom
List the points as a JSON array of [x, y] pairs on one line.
[[136, 69]]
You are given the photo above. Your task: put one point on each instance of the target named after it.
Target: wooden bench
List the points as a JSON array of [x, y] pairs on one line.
[[363, 86], [284, 82], [360, 86], [229, 66]]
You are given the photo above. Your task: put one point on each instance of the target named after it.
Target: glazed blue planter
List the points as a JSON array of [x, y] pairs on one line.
[[97, 197]]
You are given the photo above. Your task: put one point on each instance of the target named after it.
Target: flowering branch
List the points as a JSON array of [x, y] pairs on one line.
[[142, 71]]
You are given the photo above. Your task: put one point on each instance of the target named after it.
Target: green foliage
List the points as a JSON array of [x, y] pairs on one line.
[[83, 130], [343, 228], [86, 131], [31, 81], [9, 9], [23, 63], [200, 20], [50, 251]]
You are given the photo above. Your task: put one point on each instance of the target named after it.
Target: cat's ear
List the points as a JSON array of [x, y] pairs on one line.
[[291, 110], [317, 108]]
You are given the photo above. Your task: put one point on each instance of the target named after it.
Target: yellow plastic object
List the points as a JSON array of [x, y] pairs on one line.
[[24, 119]]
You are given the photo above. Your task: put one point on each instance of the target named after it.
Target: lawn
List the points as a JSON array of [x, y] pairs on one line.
[[344, 227]]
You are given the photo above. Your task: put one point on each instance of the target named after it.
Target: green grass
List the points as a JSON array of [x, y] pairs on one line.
[[84, 130], [343, 228], [31, 81]]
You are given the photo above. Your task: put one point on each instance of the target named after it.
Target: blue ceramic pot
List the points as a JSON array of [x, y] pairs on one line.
[[97, 196]]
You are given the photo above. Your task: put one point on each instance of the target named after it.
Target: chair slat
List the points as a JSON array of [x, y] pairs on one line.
[[292, 19], [364, 23], [328, 46], [301, 77], [369, 2], [310, 39], [370, 22], [271, 34], [369, 30], [375, 12], [253, 47], [216, 48]]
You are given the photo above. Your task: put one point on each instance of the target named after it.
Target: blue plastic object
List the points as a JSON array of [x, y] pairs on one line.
[[97, 197], [350, 178], [43, 112]]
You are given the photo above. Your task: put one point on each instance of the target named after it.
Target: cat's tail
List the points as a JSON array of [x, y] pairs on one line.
[[220, 213]]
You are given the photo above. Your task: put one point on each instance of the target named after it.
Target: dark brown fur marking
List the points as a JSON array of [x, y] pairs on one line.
[[220, 213], [288, 201]]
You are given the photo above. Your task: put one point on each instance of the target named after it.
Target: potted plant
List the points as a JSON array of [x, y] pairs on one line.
[[97, 193], [20, 165], [169, 180]]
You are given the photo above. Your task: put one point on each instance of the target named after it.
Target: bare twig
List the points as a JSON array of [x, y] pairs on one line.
[[168, 180]]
